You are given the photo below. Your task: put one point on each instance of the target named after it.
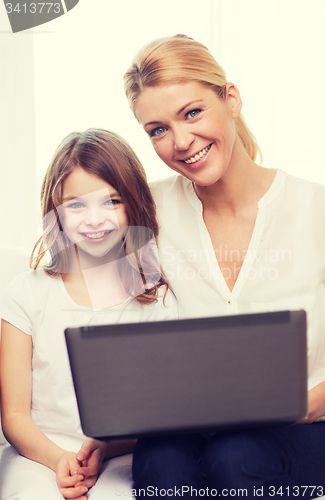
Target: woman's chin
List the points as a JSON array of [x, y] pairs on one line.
[[203, 178]]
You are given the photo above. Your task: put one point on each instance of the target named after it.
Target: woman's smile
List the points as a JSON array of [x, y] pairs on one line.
[[198, 159]]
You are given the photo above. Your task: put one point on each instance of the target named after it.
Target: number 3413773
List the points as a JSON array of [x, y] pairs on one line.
[[33, 8]]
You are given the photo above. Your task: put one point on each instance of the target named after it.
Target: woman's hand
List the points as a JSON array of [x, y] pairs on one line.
[[316, 403], [70, 483]]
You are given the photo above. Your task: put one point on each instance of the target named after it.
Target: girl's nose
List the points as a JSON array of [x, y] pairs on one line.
[[94, 217]]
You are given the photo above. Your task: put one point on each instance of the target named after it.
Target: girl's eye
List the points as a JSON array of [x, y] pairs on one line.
[[76, 205], [157, 131], [193, 114], [112, 202]]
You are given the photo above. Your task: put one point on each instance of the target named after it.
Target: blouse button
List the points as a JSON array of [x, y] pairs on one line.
[[229, 301]]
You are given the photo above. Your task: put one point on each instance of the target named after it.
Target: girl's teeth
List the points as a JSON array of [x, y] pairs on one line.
[[94, 236], [198, 156]]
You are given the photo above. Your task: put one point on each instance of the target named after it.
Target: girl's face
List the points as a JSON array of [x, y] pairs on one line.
[[92, 213], [191, 128]]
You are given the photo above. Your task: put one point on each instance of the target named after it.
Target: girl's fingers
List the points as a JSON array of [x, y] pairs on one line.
[[89, 481], [76, 493], [87, 471], [87, 448], [70, 481]]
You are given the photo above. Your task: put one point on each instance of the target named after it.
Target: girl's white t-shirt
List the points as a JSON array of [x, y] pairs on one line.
[[40, 306], [284, 266]]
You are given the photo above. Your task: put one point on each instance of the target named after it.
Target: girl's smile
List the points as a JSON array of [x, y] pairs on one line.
[[96, 237]]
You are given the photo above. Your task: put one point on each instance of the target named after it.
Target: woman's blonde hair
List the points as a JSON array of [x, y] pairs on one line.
[[108, 156], [179, 59]]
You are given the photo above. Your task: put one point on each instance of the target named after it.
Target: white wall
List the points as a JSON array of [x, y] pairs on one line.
[[79, 68], [273, 50], [18, 192]]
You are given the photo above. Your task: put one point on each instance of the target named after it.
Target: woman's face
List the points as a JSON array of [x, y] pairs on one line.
[[191, 128], [92, 213]]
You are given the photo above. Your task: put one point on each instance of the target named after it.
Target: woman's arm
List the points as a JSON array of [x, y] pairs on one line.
[[316, 403], [18, 427]]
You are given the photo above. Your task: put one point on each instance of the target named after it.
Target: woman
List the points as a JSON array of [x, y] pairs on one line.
[[235, 238]]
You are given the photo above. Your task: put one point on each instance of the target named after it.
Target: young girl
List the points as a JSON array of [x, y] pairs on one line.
[[99, 230]]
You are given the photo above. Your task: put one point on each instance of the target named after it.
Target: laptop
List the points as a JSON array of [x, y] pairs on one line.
[[191, 375]]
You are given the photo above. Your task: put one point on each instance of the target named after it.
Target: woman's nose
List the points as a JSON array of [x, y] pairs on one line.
[[183, 138]]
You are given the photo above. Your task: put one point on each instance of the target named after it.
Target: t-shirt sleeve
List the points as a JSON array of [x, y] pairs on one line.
[[15, 307]]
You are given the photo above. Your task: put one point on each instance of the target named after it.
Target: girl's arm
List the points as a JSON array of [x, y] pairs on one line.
[[18, 427]]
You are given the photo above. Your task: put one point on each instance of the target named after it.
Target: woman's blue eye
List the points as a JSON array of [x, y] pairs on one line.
[[193, 113], [157, 131]]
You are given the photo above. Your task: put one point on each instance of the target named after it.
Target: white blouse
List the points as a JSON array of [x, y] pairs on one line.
[[284, 266]]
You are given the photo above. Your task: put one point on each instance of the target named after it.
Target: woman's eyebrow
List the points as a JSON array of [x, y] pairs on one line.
[[152, 123], [188, 104], [177, 113]]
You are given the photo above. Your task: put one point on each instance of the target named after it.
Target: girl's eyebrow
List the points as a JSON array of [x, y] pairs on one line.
[[177, 113], [69, 198], [66, 199]]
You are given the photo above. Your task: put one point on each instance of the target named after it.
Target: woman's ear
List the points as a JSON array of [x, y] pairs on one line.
[[233, 99]]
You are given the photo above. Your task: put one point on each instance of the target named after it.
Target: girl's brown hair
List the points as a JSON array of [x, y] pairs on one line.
[[179, 59], [110, 157]]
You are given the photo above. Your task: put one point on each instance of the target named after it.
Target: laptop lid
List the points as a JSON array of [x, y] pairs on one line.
[[189, 375]]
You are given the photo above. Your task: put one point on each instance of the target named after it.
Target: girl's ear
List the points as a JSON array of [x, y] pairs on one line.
[[233, 99]]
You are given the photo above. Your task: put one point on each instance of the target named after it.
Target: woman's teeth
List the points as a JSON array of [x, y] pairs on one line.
[[198, 156], [95, 236]]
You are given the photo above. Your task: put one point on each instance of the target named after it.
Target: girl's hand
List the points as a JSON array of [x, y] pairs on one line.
[[70, 483], [316, 403], [91, 455]]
